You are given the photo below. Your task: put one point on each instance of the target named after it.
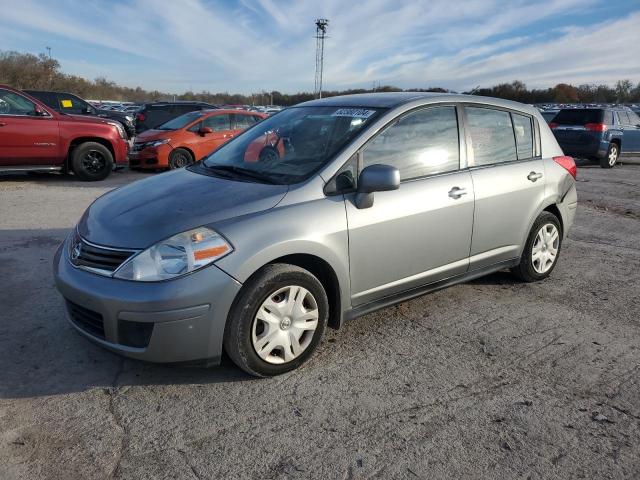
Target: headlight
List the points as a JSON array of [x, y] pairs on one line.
[[129, 118], [181, 254], [157, 143], [119, 128]]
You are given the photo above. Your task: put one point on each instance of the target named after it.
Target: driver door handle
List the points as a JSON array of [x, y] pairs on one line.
[[533, 176], [457, 192]]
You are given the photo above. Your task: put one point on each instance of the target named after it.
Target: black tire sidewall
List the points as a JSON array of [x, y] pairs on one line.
[[237, 341], [175, 153], [78, 168], [526, 270]]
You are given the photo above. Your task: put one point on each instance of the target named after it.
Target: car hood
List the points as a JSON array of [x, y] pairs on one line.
[[149, 135], [82, 119], [145, 212]]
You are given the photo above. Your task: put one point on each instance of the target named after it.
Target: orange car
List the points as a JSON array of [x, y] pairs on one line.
[[188, 138]]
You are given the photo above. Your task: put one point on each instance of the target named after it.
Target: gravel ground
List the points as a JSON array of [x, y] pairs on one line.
[[490, 379]]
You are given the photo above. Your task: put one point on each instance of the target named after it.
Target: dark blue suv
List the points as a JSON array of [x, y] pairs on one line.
[[601, 134]]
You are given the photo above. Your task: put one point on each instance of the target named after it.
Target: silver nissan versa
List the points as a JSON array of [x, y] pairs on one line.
[[325, 211]]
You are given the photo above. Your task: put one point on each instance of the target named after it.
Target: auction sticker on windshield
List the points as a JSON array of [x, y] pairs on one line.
[[353, 113]]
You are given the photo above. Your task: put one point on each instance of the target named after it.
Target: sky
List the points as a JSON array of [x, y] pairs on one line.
[[248, 46]]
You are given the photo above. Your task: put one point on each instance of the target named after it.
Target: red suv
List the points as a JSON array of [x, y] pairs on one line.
[[36, 137]]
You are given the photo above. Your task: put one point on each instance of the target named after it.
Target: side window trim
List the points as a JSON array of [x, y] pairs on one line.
[[469, 143]]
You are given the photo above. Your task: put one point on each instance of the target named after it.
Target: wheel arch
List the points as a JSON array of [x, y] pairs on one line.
[[76, 142], [324, 272]]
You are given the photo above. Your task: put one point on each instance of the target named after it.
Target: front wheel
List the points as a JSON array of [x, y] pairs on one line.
[[91, 161], [612, 156], [277, 321], [541, 250], [180, 158]]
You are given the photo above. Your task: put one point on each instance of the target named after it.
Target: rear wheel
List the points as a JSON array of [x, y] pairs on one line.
[[612, 156], [541, 250], [180, 158], [277, 320], [91, 161]]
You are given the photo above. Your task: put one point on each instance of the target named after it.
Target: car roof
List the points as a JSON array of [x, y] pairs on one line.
[[396, 99]]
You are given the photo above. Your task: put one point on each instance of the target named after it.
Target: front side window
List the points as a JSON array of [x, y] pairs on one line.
[[14, 104], [244, 121], [424, 142], [524, 135], [290, 146], [491, 135], [218, 123]]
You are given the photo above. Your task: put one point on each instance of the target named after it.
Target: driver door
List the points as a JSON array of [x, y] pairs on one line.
[[420, 233], [205, 144]]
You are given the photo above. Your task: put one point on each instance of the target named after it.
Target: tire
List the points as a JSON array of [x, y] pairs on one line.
[[611, 159], [180, 158], [91, 161], [533, 270], [247, 331]]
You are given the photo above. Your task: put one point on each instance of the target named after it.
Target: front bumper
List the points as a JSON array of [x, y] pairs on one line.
[[185, 317], [150, 157], [121, 150]]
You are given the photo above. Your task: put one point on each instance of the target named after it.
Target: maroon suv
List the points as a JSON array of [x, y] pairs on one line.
[[35, 137]]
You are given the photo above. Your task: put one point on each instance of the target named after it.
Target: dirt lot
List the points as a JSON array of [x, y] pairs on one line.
[[491, 379]]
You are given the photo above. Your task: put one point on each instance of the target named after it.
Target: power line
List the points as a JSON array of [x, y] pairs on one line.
[[321, 33]]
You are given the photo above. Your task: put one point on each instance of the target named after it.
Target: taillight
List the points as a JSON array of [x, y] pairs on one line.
[[553, 125], [596, 127], [568, 164], [140, 117]]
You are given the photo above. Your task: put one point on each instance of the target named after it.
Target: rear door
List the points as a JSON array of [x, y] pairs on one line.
[[26, 139], [508, 181], [630, 123]]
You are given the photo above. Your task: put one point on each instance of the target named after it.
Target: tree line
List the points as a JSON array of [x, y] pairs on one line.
[[40, 72]]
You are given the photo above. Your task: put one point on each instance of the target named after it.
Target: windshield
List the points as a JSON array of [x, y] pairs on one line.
[[181, 121], [291, 145]]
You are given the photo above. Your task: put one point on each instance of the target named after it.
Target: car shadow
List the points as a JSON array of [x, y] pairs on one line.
[[503, 277], [42, 355], [117, 178]]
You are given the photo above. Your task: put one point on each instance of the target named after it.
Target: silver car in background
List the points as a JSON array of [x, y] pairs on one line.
[[325, 211]]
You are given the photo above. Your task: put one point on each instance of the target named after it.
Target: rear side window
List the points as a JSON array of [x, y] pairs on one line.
[[633, 118], [623, 118], [579, 116], [524, 135], [218, 123], [608, 117], [244, 121], [492, 138], [421, 143]]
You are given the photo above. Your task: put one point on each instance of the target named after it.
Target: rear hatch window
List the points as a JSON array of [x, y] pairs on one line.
[[579, 116]]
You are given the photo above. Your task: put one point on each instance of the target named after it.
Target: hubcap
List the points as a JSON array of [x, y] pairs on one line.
[[284, 325], [93, 161], [613, 156], [545, 248]]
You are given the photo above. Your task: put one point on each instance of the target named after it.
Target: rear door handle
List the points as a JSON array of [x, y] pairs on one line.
[[2, 124], [457, 192], [533, 176]]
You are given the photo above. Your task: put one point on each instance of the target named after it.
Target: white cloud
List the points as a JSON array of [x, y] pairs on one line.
[[270, 44]]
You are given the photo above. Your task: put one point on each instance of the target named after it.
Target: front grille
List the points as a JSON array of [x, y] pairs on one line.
[[134, 162], [107, 260], [88, 320]]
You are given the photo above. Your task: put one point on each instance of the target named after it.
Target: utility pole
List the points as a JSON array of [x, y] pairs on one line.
[[321, 33], [49, 50]]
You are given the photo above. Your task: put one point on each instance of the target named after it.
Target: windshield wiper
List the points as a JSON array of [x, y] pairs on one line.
[[231, 171]]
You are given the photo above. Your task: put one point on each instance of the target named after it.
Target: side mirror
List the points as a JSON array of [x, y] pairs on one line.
[[375, 178], [39, 112], [205, 130]]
